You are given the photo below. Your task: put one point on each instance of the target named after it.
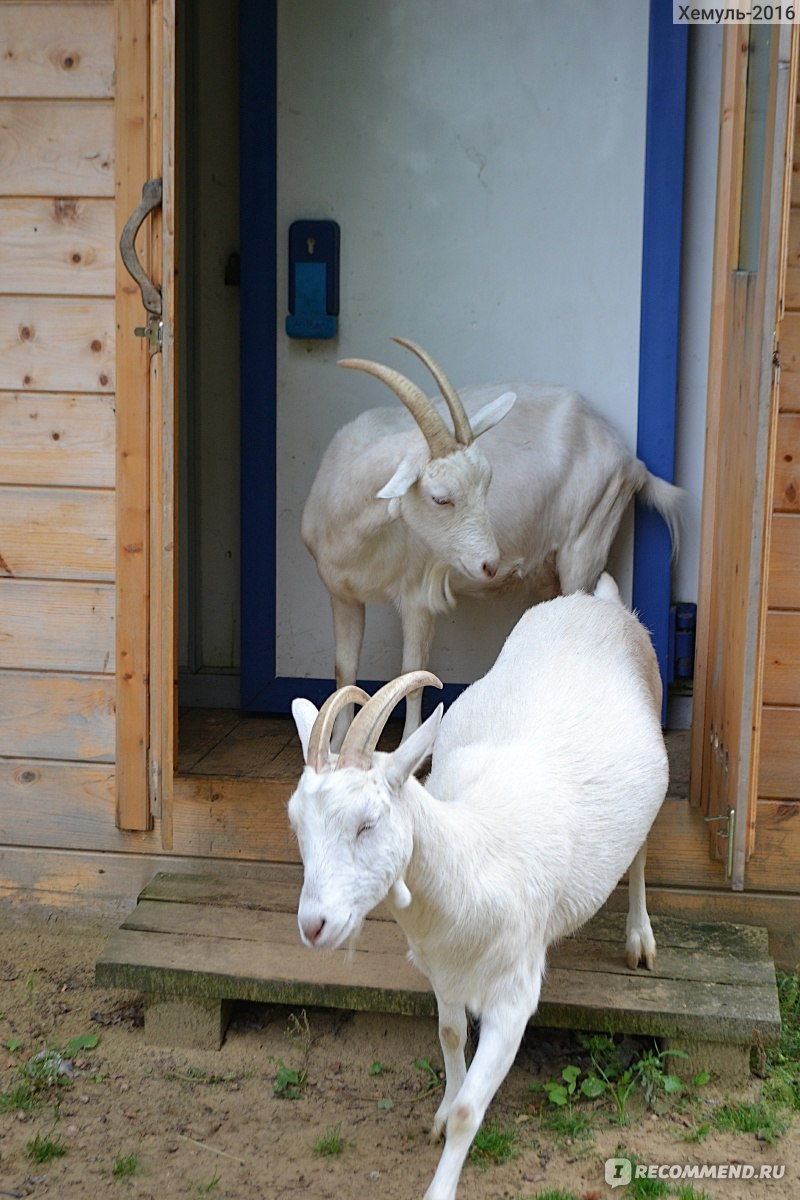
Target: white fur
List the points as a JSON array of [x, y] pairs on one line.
[[546, 777], [561, 480]]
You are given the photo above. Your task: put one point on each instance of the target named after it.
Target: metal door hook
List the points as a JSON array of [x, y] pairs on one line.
[[151, 199]]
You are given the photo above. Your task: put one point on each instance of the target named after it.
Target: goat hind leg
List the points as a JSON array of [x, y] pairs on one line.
[[348, 634], [453, 1038], [639, 941]]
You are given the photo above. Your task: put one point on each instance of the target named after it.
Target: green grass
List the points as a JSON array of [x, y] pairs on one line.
[[493, 1145], [769, 1121], [644, 1189], [557, 1195], [203, 1189], [781, 1063], [123, 1168], [43, 1149], [568, 1122], [22, 1098], [331, 1144]]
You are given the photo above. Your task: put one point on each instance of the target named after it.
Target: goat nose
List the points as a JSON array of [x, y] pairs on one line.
[[312, 928], [490, 569]]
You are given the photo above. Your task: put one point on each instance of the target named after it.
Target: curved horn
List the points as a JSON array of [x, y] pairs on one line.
[[449, 394], [439, 438], [320, 738], [362, 736]]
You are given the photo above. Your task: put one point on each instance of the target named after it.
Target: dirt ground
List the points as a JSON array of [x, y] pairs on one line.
[[210, 1123]]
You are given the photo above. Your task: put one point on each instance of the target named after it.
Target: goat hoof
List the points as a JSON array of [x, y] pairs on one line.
[[640, 948], [635, 960]]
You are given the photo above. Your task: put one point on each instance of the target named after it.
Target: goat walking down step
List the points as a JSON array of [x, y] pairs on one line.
[[546, 777], [404, 512]]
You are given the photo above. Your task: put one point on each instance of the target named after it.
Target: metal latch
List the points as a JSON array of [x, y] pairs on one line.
[[727, 831], [153, 331]]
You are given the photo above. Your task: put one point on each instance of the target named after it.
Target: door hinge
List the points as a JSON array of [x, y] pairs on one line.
[[154, 784], [680, 646], [727, 830]]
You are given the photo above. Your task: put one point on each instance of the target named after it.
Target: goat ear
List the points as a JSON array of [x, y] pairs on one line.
[[411, 753], [491, 414], [407, 473], [305, 714]]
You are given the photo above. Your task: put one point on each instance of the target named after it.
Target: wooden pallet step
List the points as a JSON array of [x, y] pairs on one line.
[[196, 943]]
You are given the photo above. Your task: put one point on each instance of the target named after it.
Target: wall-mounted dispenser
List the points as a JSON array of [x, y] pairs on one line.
[[313, 279]]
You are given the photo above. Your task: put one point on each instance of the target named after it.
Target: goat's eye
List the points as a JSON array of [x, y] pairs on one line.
[[365, 827], [445, 501]]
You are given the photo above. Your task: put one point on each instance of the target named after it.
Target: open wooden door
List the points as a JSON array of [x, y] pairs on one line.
[[145, 308], [752, 218]]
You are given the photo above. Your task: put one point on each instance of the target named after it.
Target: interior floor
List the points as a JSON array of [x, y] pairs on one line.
[[221, 742]]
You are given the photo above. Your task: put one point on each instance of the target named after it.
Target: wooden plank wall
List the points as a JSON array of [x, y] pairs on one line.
[[779, 766], [57, 421]]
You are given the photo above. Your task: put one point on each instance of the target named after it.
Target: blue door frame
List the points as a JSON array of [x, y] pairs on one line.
[[261, 689]]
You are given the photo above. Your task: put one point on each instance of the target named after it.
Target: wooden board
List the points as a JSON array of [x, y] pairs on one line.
[[56, 147], [57, 246], [56, 344], [240, 941], [784, 562], [779, 770], [51, 716], [47, 626], [786, 490], [52, 440], [54, 803], [57, 49], [782, 659], [790, 358], [57, 533]]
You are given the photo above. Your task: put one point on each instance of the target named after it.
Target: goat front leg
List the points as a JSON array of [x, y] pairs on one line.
[[417, 626], [453, 1039], [639, 941], [348, 635], [501, 1033]]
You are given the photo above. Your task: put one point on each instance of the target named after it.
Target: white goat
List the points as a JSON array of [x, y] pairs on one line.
[[401, 510], [547, 775]]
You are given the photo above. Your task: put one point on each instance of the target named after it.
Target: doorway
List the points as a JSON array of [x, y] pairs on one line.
[[427, 175]]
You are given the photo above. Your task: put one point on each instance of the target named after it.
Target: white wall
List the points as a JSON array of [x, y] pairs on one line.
[[486, 165]]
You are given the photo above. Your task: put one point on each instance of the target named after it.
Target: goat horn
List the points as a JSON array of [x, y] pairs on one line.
[[461, 424], [439, 438], [362, 736], [320, 739]]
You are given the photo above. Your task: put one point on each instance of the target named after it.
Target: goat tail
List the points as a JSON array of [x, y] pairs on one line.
[[669, 501]]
